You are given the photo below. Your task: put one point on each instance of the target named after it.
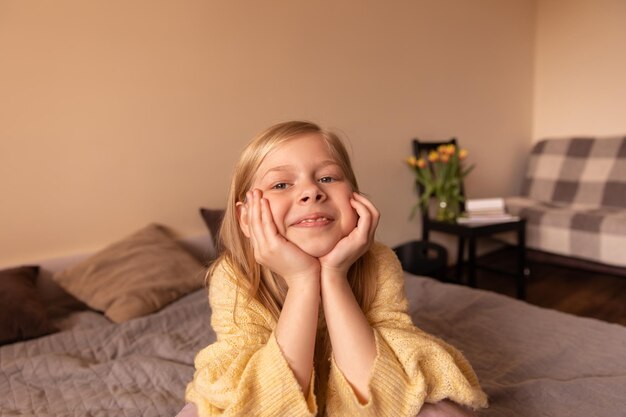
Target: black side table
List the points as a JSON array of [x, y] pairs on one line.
[[471, 232]]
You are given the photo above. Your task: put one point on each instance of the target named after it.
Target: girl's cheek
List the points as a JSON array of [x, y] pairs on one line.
[[355, 219], [353, 215]]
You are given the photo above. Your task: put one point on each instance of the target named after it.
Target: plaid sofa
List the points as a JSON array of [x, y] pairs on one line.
[[574, 199]]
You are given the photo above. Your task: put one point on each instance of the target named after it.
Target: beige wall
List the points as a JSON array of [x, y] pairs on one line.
[[580, 67], [114, 114]]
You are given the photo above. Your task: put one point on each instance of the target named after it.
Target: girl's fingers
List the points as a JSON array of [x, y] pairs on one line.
[[267, 219], [369, 204], [365, 218], [375, 214], [255, 220], [263, 226], [249, 206]]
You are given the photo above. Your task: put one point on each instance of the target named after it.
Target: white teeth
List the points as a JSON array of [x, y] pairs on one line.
[[319, 219]]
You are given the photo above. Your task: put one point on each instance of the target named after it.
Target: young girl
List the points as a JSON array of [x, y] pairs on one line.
[[310, 313]]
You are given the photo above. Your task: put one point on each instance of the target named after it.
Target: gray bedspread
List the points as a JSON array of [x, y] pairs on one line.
[[137, 368], [531, 361]]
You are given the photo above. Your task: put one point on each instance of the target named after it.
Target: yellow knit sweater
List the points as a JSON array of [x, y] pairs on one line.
[[245, 374]]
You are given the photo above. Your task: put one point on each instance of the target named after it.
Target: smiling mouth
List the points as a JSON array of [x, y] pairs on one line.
[[319, 219], [314, 222]]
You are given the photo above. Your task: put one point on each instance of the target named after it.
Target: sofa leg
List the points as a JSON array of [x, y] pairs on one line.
[[522, 271]]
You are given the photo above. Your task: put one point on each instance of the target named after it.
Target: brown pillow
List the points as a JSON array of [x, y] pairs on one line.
[[136, 276], [22, 314], [213, 220]]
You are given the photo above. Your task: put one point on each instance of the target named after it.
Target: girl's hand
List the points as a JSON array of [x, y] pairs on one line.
[[272, 250], [352, 247]]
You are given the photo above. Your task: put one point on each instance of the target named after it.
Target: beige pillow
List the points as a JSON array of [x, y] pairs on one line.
[[135, 276]]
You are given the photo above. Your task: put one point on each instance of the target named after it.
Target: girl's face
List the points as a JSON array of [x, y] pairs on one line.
[[308, 195]]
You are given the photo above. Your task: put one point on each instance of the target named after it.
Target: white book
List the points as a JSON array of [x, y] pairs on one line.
[[484, 204], [486, 212], [486, 220]]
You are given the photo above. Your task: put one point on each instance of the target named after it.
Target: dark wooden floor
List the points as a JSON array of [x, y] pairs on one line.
[[573, 291]]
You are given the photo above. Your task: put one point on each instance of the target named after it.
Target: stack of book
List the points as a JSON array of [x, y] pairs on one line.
[[485, 210]]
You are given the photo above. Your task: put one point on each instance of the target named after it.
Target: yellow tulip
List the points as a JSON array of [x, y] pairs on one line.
[[433, 156], [421, 164], [412, 161], [462, 154], [445, 158]]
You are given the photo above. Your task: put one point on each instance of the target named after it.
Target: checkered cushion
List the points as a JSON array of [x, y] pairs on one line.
[[593, 233], [574, 198], [581, 171]]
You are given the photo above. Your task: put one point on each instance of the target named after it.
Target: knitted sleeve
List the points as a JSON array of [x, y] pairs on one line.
[[244, 373], [411, 366]]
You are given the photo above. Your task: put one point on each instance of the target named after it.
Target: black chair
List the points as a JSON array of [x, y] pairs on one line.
[[423, 258], [473, 232]]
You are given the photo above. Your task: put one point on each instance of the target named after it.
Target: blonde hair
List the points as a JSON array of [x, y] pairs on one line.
[[237, 254]]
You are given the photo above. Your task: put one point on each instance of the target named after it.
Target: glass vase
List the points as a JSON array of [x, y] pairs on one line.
[[447, 209]]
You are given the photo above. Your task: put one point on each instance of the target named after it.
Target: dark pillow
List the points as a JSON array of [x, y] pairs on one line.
[[213, 220], [22, 313], [59, 303]]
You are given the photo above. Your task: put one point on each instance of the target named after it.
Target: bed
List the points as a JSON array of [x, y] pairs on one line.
[[530, 361]]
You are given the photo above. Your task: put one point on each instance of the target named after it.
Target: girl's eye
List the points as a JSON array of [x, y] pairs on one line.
[[279, 186], [327, 179]]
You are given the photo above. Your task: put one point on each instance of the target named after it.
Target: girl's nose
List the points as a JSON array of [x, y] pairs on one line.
[[312, 193]]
